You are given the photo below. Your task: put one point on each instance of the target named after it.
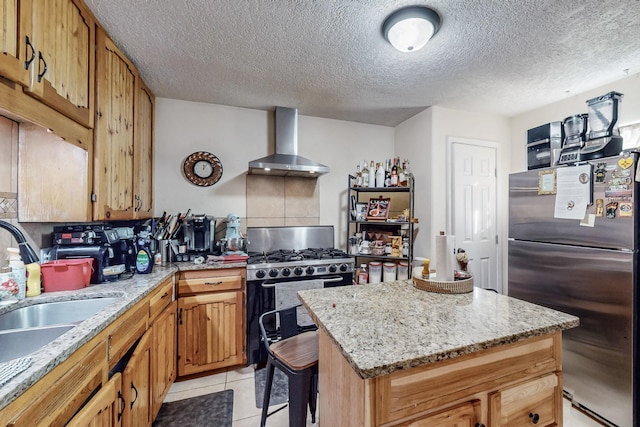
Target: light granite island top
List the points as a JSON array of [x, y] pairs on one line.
[[383, 327], [393, 354], [127, 293]]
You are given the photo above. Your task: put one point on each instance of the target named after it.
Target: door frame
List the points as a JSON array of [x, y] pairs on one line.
[[450, 140]]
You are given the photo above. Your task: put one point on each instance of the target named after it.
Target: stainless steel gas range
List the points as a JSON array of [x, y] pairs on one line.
[[282, 261]]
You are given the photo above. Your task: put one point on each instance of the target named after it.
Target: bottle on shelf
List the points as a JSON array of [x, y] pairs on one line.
[[387, 175], [365, 174], [380, 175], [402, 176], [407, 173], [394, 174], [372, 175], [358, 182]]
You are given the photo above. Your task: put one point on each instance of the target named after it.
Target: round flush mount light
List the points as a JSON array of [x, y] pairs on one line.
[[410, 28]]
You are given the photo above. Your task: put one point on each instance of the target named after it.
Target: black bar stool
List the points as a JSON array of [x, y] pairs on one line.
[[295, 354]]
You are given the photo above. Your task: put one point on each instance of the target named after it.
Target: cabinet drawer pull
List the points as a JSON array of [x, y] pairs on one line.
[[136, 390], [534, 417], [124, 404], [166, 294], [480, 425], [44, 69], [33, 53], [213, 283]]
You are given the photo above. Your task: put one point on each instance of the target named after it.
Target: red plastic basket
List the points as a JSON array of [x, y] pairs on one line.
[[66, 274]]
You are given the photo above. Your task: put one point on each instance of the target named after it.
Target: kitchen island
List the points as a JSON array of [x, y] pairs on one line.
[[391, 354]]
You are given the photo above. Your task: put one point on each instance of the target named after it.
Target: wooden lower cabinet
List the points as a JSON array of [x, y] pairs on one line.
[[211, 319], [463, 415], [136, 385], [104, 409], [513, 385], [138, 350], [163, 356], [534, 402]]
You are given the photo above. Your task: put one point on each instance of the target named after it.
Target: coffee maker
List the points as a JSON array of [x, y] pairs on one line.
[[199, 233], [112, 249]]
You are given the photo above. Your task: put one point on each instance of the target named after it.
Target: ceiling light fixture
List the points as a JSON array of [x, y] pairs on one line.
[[410, 28]]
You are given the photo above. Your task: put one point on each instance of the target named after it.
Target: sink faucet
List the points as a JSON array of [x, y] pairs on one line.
[[26, 252]]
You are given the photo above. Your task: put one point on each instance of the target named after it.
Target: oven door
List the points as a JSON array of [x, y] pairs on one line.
[[261, 297]]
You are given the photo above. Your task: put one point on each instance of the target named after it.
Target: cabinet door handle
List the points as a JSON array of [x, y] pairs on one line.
[[44, 69], [28, 62], [534, 417], [480, 425], [180, 316], [123, 404], [213, 283], [136, 390]]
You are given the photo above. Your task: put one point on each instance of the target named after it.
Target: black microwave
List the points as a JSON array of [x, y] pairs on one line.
[[543, 145]]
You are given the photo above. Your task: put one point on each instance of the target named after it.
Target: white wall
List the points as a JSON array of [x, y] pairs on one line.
[[423, 138], [239, 135], [629, 113]]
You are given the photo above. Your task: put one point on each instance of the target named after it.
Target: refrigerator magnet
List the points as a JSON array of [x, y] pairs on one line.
[[611, 209], [626, 208], [547, 182], [599, 207]]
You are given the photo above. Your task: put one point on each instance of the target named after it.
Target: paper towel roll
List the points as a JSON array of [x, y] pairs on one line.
[[445, 257]]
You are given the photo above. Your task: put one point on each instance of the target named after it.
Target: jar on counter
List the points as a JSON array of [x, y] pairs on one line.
[[389, 272], [375, 272], [403, 270]]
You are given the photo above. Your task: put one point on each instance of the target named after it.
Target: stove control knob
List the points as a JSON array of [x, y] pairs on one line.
[[273, 273], [260, 274], [344, 267], [286, 271], [298, 271], [333, 268], [310, 270]]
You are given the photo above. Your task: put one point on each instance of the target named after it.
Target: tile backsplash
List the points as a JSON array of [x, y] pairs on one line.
[[278, 201]]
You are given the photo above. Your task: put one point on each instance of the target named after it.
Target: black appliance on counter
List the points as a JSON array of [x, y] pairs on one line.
[[544, 143], [199, 233], [282, 261], [112, 249]]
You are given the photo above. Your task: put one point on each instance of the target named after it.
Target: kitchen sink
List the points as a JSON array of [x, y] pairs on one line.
[[52, 313], [16, 343]]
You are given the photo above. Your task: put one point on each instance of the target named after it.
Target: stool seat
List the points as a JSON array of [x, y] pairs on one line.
[[295, 353], [298, 352]]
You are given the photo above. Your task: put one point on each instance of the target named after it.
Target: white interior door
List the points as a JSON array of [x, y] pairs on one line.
[[473, 208]]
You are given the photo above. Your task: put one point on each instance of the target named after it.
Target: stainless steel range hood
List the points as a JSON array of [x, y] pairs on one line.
[[285, 161]]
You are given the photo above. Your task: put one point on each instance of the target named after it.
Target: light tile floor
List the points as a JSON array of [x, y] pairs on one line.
[[245, 413]]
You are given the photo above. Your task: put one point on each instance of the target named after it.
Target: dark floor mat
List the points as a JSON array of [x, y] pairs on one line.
[[215, 410], [279, 389]]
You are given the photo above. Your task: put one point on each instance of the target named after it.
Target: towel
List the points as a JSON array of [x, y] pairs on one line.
[[287, 296]]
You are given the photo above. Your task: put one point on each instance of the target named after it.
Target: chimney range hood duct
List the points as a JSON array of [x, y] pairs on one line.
[[285, 161]]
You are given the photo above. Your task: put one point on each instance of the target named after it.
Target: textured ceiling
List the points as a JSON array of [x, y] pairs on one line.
[[329, 59]]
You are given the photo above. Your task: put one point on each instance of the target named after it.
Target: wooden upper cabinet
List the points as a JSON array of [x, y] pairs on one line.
[[143, 152], [62, 35], [15, 51], [114, 132]]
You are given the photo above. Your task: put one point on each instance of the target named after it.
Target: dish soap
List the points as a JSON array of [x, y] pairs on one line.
[[18, 271], [144, 257]]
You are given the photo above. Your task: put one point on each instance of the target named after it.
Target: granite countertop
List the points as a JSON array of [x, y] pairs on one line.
[[128, 292], [381, 328]]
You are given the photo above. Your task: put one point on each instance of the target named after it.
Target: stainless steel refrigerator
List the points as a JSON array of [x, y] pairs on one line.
[[585, 267]]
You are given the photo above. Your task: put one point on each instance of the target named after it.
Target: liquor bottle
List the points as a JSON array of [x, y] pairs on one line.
[[372, 175], [365, 175], [358, 182], [394, 174], [402, 177], [407, 172], [380, 175], [387, 174]]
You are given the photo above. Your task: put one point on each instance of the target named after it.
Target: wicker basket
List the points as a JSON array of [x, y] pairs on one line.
[[444, 287]]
